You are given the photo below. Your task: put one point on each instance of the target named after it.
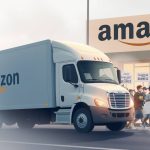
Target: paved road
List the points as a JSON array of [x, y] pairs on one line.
[[64, 137]]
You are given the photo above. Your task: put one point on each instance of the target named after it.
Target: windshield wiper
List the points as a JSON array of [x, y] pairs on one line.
[[103, 81], [92, 79], [110, 81]]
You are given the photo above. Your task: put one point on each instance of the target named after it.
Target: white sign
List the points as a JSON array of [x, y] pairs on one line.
[[125, 77], [143, 77]]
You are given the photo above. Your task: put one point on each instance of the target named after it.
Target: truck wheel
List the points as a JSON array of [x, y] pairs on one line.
[[82, 120], [117, 126], [26, 124]]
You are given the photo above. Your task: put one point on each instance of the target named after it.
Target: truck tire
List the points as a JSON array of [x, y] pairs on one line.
[[25, 124], [117, 126], [82, 120]]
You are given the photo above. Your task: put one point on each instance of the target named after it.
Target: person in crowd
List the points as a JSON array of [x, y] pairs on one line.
[[146, 110], [139, 97], [130, 124], [145, 90], [132, 92]]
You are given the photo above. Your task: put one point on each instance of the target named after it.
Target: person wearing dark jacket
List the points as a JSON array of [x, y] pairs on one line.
[[139, 97]]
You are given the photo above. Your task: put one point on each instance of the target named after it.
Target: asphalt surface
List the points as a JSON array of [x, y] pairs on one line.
[[64, 137]]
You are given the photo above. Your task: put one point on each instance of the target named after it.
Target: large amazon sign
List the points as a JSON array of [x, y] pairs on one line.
[[121, 34]]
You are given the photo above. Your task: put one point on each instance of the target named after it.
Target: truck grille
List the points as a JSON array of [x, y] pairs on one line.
[[119, 100], [120, 115]]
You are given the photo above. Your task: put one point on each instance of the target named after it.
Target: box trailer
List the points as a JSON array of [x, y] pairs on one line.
[[61, 82]]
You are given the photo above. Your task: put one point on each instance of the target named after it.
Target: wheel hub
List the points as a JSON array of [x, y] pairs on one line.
[[82, 120]]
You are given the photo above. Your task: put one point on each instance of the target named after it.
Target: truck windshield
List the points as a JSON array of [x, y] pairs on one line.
[[97, 72]]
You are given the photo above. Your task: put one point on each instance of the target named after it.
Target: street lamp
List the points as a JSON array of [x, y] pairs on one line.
[[87, 24]]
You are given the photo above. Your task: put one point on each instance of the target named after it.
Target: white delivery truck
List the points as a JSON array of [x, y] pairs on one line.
[[61, 82]]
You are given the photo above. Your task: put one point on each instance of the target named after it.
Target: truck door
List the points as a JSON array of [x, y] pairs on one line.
[[69, 91]]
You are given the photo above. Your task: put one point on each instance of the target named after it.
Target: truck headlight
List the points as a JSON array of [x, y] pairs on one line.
[[100, 103]]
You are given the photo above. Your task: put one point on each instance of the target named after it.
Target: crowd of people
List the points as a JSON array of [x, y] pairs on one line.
[[141, 99]]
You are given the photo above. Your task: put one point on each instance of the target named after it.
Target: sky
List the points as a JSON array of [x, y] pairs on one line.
[[27, 21]]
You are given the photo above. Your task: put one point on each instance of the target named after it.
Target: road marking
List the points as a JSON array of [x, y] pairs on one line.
[[57, 145]]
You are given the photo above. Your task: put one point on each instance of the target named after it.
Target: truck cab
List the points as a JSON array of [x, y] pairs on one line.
[[87, 89]]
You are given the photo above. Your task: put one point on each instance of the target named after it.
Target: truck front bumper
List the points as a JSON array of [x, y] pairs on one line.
[[102, 116]]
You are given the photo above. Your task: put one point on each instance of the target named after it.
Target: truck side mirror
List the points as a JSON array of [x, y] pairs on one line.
[[119, 75]]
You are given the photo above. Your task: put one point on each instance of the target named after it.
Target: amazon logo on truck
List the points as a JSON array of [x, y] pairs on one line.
[[9, 79]]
